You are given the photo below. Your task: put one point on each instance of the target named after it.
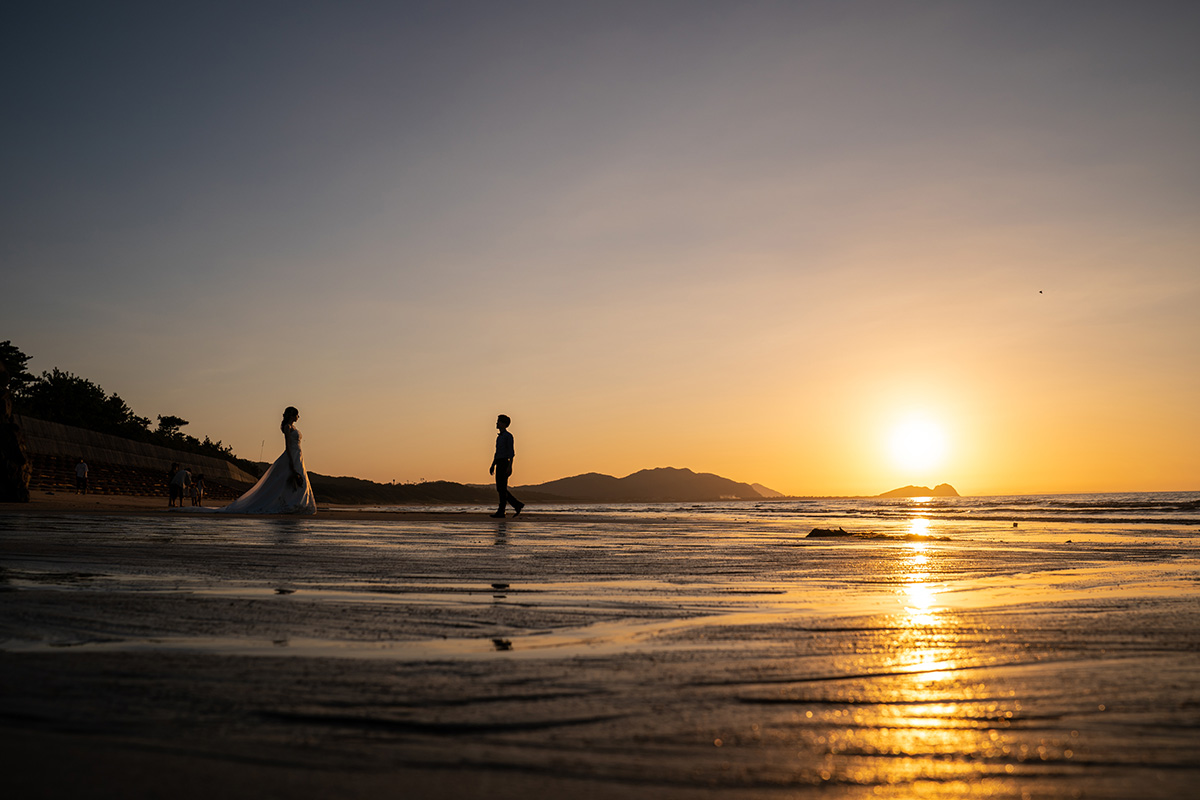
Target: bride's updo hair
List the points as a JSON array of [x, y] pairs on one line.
[[290, 415]]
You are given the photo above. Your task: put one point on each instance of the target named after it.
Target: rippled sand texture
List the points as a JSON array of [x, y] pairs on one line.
[[159, 656]]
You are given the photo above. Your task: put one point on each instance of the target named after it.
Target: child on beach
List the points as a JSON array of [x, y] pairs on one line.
[[198, 490]]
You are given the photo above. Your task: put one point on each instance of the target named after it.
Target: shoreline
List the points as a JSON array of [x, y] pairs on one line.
[[647, 657], [46, 503], [891, 524]]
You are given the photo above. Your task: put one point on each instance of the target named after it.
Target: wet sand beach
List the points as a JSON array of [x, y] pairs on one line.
[[150, 654]]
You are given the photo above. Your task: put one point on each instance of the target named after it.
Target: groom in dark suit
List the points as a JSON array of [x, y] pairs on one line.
[[502, 467]]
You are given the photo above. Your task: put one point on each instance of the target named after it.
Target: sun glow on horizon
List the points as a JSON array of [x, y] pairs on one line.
[[918, 444]]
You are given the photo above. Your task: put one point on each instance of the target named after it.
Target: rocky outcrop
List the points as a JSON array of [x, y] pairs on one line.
[[941, 490], [15, 467], [842, 533]]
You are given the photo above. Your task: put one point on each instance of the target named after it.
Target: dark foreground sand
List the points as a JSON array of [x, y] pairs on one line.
[[150, 654]]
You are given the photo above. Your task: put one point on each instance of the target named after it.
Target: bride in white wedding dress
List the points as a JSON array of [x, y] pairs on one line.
[[284, 487]]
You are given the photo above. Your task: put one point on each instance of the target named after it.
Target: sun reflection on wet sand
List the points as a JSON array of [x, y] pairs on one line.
[[926, 715], [920, 593], [919, 526], [704, 657]]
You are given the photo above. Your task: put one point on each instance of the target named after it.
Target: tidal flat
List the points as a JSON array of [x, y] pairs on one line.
[[151, 655]]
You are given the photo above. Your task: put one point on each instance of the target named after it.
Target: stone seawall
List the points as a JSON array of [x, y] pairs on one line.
[[52, 439]]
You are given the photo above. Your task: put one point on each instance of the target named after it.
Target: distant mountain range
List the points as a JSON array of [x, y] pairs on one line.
[[662, 485]]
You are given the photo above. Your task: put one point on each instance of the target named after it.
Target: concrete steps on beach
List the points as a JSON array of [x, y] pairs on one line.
[[57, 474]]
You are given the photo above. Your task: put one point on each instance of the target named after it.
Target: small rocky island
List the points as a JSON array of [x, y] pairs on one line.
[[941, 490]]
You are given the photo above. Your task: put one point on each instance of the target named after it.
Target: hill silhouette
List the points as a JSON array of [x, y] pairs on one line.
[[344, 490], [661, 485], [941, 490]]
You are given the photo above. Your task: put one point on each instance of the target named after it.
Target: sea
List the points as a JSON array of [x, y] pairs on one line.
[[1175, 513]]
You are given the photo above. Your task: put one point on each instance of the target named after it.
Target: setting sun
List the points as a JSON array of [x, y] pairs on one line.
[[918, 444]]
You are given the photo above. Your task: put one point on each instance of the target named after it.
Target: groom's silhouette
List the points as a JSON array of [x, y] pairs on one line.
[[502, 467]]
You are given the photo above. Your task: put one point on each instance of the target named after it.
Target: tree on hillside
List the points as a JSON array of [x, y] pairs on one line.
[[14, 361], [59, 396], [169, 425]]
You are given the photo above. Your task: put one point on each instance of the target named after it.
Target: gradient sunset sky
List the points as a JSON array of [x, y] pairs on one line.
[[750, 238]]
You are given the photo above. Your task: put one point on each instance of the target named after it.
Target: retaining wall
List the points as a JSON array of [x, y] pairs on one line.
[[53, 439]]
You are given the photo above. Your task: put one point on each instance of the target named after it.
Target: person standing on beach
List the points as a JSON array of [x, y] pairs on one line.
[[81, 473], [180, 484], [502, 467]]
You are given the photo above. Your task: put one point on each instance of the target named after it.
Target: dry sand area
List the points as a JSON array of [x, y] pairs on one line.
[[149, 654]]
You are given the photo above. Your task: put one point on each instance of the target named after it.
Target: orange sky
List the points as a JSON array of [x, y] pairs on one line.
[[749, 239]]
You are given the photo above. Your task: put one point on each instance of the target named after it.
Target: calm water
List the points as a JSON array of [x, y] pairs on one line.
[[1176, 512]]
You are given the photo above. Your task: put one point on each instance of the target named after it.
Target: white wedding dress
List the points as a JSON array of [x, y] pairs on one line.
[[274, 493]]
